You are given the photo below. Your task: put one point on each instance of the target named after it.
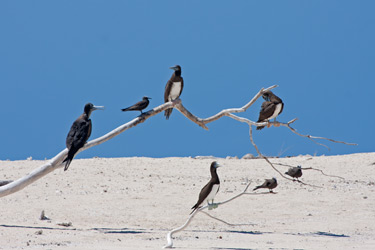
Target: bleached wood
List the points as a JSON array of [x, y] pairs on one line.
[[190, 218], [56, 162]]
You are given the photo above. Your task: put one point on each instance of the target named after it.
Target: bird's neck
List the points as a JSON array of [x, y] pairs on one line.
[[86, 115], [275, 99], [177, 73], [214, 175]]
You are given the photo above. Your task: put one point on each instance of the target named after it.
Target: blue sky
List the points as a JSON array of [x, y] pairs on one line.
[[55, 56]]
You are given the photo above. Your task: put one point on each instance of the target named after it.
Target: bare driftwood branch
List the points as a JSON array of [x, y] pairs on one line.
[[260, 154], [190, 218], [227, 223], [224, 112], [310, 168], [55, 162]]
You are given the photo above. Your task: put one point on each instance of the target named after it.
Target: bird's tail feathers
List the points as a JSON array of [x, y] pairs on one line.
[[69, 158], [260, 127], [168, 112], [195, 207], [257, 187], [67, 162]]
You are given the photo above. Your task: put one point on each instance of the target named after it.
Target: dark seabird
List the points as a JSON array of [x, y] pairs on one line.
[[79, 133], [173, 88], [268, 183], [294, 172], [271, 108], [141, 105], [209, 191]]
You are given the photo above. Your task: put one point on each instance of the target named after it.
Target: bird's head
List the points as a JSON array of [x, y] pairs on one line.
[[176, 68], [215, 165], [146, 98], [266, 95], [89, 107]]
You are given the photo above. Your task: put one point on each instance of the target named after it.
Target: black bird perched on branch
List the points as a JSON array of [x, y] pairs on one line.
[[271, 108], [139, 106], [210, 190], [79, 133], [173, 88], [268, 183], [294, 172]]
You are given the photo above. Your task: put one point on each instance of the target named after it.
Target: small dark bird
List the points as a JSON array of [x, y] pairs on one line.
[[294, 172], [173, 88], [271, 108], [79, 133], [139, 106], [268, 183], [210, 190]]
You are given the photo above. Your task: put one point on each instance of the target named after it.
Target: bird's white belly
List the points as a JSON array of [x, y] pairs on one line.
[[213, 193], [277, 111], [175, 91]]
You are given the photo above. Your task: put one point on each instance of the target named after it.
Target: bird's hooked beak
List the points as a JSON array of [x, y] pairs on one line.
[[217, 165], [266, 98], [173, 67], [97, 108]]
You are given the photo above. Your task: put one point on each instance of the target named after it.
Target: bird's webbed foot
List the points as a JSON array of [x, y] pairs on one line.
[[212, 206]]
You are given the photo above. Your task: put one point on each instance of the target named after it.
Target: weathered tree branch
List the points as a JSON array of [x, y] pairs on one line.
[[227, 223], [190, 218], [310, 168], [55, 162], [202, 122]]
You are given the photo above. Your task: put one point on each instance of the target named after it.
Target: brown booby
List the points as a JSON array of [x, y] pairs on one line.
[[271, 108], [268, 183], [210, 190], [294, 172], [79, 133], [139, 106], [173, 88]]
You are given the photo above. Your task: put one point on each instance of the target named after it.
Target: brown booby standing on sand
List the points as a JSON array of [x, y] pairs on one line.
[[141, 105], [210, 190], [294, 172], [271, 108], [79, 133], [268, 183], [173, 88]]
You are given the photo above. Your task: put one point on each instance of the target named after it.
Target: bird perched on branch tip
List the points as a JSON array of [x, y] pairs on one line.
[[271, 108]]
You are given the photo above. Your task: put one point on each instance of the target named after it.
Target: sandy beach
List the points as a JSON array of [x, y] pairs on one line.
[[132, 203]]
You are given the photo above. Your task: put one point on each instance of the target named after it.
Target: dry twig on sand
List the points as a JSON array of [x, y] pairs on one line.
[[176, 230]]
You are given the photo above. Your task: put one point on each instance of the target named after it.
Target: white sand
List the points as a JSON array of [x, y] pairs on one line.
[[131, 203]]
